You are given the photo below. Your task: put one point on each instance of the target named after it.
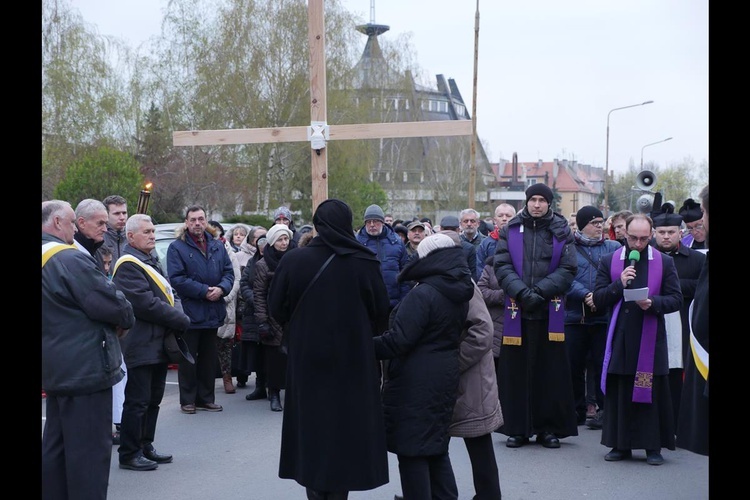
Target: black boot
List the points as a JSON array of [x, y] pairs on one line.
[[275, 398], [319, 495], [314, 495], [260, 389]]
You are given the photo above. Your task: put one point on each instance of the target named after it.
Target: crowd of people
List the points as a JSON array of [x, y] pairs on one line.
[[391, 338]]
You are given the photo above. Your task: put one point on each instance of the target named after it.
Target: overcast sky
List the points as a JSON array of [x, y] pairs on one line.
[[549, 71]]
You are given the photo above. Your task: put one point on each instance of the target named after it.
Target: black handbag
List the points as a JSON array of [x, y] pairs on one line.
[[176, 348]]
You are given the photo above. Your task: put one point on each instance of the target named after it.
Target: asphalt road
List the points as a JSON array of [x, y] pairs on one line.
[[234, 454]]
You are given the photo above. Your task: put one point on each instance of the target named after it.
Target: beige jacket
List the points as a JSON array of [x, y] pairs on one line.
[[226, 331]]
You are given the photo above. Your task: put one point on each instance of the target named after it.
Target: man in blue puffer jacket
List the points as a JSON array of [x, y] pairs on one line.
[[585, 325], [201, 273], [383, 240]]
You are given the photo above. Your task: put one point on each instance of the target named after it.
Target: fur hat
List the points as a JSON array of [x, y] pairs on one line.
[[587, 214], [433, 242], [541, 190], [282, 211], [218, 227], [276, 231], [691, 211], [374, 212]]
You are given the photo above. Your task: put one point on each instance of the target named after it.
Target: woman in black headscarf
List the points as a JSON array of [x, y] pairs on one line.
[[333, 435]]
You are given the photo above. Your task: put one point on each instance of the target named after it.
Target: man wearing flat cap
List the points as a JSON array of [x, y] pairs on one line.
[[449, 225], [535, 263], [688, 263], [692, 215]]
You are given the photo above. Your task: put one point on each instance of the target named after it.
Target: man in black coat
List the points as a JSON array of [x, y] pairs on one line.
[[333, 435], [535, 263], [693, 429], [83, 314], [688, 263], [139, 276], [635, 371]]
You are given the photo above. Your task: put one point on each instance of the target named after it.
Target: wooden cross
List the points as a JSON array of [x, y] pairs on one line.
[[318, 126]]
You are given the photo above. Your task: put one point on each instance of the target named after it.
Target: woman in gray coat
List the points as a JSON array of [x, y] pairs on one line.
[[477, 412]]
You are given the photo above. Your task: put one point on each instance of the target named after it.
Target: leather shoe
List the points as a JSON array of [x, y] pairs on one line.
[[653, 457], [548, 440], [139, 463], [150, 453], [616, 455], [209, 407], [516, 441], [188, 409], [258, 393]]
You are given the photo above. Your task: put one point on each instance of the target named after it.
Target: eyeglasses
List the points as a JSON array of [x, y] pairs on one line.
[[596, 222], [642, 239], [698, 227]]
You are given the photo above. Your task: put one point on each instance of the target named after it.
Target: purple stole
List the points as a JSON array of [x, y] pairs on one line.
[[687, 240], [644, 375], [512, 322]]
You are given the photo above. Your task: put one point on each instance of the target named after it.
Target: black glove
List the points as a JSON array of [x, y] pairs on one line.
[[531, 301], [264, 332]]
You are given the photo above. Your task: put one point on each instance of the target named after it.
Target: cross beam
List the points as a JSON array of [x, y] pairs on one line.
[[316, 40]]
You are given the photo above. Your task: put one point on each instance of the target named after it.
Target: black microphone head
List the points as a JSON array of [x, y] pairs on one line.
[[634, 255]]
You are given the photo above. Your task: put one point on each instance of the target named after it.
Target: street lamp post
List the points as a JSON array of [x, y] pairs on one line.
[[647, 145], [606, 160]]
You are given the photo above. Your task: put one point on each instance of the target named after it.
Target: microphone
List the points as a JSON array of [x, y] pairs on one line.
[[634, 257]]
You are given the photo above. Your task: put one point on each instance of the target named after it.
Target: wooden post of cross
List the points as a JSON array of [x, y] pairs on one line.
[[319, 132]]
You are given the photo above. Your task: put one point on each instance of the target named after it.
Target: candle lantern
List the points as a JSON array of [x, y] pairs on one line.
[[143, 199]]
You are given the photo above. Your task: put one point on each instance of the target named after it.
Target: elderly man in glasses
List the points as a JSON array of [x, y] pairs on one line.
[[692, 215], [635, 373]]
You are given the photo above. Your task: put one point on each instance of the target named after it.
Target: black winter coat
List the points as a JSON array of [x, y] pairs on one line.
[[626, 340], [249, 323], [333, 436], [537, 254], [423, 345], [144, 343]]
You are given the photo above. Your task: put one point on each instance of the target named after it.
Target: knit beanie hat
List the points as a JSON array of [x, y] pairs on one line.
[[374, 212], [691, 211], [587, 214], [541, 190], [282, 211], [276, 231], [433, 242]]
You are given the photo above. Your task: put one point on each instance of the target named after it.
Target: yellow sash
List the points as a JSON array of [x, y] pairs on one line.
[[160, 281], [700, 355], [51, 248]]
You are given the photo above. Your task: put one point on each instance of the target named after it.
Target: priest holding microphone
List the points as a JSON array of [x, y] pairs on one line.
[[636, 369]]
